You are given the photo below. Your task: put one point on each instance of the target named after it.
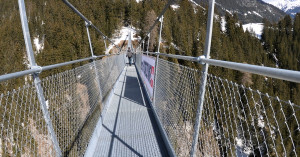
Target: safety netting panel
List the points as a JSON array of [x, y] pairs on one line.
[[74, 99], [176, 97], [240, 121], [23, 128], [236, 120]]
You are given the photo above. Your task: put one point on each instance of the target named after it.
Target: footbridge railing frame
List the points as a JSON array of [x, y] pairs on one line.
[[283, 74], [37, 80], [35, 70]]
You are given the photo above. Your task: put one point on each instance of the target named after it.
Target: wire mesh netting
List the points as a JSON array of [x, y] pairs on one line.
[[23, 128], [236, 120], [138, 62], [246, 122], [176, 97], [109, 70], [74, 101]]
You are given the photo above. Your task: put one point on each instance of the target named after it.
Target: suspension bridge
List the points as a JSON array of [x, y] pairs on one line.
[[153, 108]]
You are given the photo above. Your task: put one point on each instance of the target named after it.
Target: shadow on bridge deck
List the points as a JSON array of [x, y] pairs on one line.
[[129, 127]]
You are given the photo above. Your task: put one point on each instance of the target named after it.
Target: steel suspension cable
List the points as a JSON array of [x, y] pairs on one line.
[[89, 22], [157, 20]]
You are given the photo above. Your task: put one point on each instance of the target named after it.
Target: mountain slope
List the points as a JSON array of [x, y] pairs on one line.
[[249, 11], [291, 7]]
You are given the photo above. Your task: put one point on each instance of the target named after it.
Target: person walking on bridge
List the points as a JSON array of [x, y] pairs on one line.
[[129, 55]]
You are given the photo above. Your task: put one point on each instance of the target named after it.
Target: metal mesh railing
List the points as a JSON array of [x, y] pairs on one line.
[[109, 70], [23, 128], [74, 102], [240, 121], [236, 120], [177, 90], [138, 62], [72, 97]]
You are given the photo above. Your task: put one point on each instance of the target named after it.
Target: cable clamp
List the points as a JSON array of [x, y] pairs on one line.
[[37, 67], [88, 23], [200, 59]]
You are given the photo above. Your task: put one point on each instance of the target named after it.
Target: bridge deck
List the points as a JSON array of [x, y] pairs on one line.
[[129, 128]]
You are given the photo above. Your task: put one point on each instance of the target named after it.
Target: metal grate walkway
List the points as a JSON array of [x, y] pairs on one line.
[[129, 127]]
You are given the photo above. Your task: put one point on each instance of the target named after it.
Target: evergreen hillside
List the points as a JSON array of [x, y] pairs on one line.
[[62, 35], [59, 33]]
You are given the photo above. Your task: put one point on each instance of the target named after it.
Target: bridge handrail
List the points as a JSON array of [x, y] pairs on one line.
[[283, 74], [39, 69]]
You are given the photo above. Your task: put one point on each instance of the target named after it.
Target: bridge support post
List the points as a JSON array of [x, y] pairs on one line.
[[37, 80], [161, 26], [94, 62], [164, 134], [157, 57], [143, 47], [203, 78], [149, 35]]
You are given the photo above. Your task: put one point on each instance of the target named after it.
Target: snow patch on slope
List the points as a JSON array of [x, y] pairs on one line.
[[223, 24], [256, 13], [175, 6], [194, 2], [256, 28], [39, 45], [239, 142], [261, 122], [253, 12]]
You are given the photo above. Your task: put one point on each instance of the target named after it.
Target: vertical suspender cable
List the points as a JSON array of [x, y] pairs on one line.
[[94, 62], [148, 43], [157, 57], [156, 62], [157, 20], [204, 77], [37, 80]]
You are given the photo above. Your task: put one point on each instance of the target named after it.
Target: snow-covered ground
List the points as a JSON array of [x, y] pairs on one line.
[[194, 2], [253, 12], [256, 13], [175, 6], [256, 28], [121, 35], [223, 24], [39, 45]]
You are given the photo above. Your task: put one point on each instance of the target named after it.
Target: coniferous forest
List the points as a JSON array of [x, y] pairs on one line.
[[63, 37]]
